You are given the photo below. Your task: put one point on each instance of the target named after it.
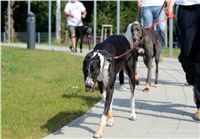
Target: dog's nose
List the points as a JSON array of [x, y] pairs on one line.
[[89, 83]]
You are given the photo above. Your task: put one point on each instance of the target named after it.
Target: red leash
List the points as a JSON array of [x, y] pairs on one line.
[[125, 53], [156, 23]]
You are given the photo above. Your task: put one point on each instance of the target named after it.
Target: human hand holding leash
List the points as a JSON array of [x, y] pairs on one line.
[[169, 8], [139, 3]]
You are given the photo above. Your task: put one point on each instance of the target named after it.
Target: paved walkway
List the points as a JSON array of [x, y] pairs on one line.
[[166, 112]]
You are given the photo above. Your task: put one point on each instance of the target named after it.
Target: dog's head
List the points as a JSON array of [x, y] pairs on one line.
[[91, 70], [137, 31], [87, 29]]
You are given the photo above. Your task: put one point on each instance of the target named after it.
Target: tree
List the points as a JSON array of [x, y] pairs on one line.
[[6, 27]]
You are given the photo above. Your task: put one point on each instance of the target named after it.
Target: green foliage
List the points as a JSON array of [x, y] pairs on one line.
[[40, 8], [129, 11], [107, 14], [41, 92]]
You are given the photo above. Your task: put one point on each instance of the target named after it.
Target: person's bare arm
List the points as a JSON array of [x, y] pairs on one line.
[[69, 14], [139, 3], [84, 14], [170, 5]]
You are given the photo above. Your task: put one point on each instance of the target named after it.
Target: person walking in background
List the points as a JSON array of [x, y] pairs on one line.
[[150, 10], [75, 11], [188, 23]]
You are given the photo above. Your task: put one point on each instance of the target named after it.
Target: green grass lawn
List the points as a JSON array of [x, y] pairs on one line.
[[41, 92], [176, 52]]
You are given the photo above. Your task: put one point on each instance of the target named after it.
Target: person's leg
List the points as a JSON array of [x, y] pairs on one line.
[[72, 37], [121, 77], [77, 36], [81, 35], [147, 16], [196, 55], [188, 25], [161, 27]]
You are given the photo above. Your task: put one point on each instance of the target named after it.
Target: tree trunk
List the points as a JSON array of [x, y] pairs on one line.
[[12, 30]]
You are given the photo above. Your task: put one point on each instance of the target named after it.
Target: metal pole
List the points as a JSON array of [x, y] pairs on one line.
[[38, 37], [0, 38], [95, 22], [4, 37], [49, 23], [118, 16], [29, 6], [9, 22], [58, 20], [171, 37]]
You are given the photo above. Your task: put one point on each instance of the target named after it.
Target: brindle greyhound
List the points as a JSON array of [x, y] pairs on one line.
[[148, 48]]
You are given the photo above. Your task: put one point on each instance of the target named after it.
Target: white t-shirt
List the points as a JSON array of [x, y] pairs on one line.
[[152, 3], [187, 2], [76, 9]]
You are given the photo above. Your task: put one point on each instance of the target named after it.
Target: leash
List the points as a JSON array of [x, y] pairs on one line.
[[156, 19], [156, 23], [136, 44]]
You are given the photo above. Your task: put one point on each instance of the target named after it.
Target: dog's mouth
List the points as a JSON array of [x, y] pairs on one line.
[[134, 40], [89, 88], [89, 85]]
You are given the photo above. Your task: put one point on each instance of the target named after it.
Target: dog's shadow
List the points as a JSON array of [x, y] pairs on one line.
[[60, 120], [64, 118], [156, 106]]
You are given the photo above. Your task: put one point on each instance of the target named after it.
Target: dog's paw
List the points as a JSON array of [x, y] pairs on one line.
[[156, 85], [97, 135], [110, 122], [132, 118]]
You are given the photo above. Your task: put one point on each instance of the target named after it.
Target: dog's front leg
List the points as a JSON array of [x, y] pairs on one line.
[[132, 103], [132, 100], [110, 116], [108, 101], [103, 95], [148, 80], [99, 131]]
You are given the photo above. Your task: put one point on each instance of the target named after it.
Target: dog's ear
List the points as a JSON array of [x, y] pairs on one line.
[[89, 55], [86, 60], [142, 35], [142, 28], [95, 62]]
